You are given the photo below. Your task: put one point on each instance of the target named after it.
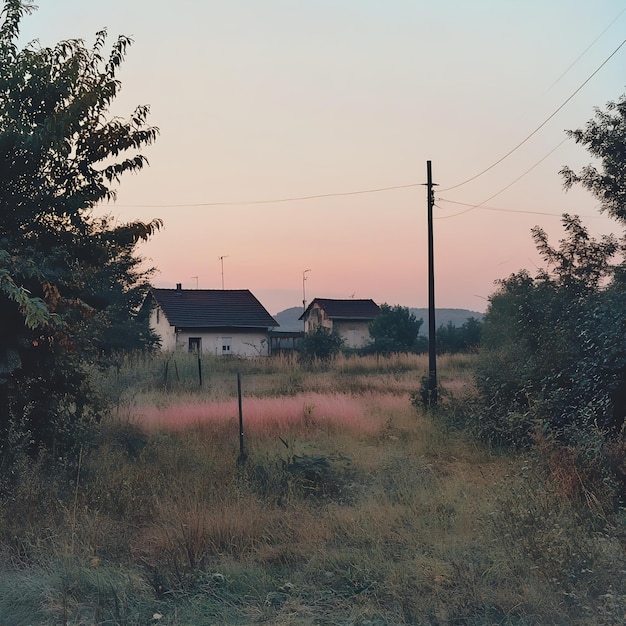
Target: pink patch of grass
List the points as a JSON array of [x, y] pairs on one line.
[[270, 416]]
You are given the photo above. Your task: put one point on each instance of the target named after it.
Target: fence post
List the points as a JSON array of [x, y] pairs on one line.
[[242, 454]]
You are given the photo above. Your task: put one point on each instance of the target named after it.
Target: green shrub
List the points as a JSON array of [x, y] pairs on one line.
[[320, 344]]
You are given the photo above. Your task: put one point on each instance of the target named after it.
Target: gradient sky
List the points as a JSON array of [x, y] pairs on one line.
[[270, 99]]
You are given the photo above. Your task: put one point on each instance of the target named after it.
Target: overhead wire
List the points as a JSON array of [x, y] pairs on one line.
[[534, 132], [498, 209], [410, 185], [480, 204], [582, 54], [277, 200]]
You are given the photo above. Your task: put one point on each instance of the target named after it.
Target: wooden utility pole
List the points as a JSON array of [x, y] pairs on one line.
[[432, 346]]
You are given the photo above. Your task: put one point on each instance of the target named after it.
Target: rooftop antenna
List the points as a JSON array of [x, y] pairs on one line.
[[222, 262], [304, 298], [196, 280]]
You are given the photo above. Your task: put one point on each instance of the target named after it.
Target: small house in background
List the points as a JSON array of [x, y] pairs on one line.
[[210, 321], [349, 318]]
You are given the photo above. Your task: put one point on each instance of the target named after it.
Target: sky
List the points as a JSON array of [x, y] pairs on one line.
[[284, 99]]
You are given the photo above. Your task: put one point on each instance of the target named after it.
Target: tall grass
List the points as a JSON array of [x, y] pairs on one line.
[[138, 381], [296, 415], [352, 507]]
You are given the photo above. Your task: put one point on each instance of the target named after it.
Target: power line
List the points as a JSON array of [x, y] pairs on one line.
[[324, 195], [407, 186], [501, 210], [349, 193], [582, 54], [275, 200], [521, 143], [410, 185], [530, 169]]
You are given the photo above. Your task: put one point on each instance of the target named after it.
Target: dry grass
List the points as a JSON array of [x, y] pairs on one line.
[[352, 508], [297, 415]]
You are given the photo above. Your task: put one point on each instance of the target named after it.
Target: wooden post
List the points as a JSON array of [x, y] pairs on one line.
[[242, 454], [432, 349]]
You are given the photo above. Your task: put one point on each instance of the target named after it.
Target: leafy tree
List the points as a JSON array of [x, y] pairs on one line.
[[320, 343], [553, 358], [553, 351], [70, 282], [465, 338], [605, 138], [395, 329]]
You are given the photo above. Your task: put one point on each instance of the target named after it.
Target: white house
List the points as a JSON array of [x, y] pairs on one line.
[[210, 321], [349, 318]]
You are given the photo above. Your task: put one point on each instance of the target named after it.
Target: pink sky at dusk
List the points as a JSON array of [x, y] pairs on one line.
[[277, 99]]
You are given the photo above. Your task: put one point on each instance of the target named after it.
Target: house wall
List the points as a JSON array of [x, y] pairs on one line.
[[161, 326], [245, 343], [355, 334], [316, 316]]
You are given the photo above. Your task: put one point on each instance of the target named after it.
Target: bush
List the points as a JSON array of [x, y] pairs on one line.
[[320, 344], [553, 364], [395, 329], [453, 339]]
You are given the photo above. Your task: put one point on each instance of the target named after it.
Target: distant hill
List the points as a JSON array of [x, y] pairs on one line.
[[458, 317], [288, 319]]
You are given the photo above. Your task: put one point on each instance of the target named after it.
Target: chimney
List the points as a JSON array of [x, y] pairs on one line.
[[179, 286]]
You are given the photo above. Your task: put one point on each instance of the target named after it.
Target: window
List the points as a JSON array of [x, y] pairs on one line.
[[195, 344], [226, 344]]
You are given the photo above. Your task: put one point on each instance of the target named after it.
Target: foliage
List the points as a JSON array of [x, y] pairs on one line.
[[395, 329], [553, 355], [605, 138], [553, 362], [453, 339], [321, 344], [402, 522], [70, 282]]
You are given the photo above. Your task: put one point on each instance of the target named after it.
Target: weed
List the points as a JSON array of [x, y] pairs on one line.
[[352, 508]]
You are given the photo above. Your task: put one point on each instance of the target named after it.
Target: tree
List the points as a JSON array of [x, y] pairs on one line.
[[552, 353], [69, 281], [553, 359], [605, 138], [395, 329], [465, 338], [320, 343]]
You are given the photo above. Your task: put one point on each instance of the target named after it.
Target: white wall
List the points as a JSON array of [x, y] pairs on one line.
[[163, 329], [355, 334], [242, 343]]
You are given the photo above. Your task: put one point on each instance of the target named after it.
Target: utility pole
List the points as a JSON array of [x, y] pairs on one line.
[[222, 262], [304, 299], [431, 399]]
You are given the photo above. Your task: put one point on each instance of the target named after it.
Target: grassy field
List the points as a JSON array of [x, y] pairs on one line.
[[351, 507]]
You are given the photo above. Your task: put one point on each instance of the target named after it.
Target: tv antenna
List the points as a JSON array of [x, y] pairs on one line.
[[304, 296], [222, 262]]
